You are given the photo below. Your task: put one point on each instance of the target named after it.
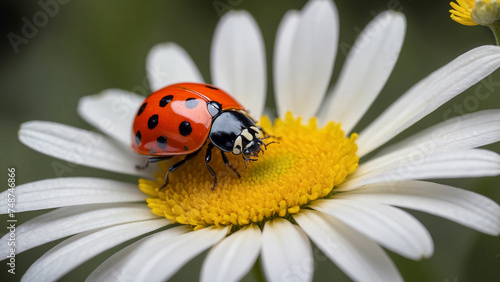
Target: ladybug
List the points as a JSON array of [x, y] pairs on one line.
[[179, 119]]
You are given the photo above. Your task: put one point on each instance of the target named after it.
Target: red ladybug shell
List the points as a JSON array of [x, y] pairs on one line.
[[175, 120]]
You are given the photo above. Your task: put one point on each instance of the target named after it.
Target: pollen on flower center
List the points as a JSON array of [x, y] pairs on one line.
[[305, 165]]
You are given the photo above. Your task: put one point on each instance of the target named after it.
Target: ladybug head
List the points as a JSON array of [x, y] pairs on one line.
[[248, 143], [235, 132]]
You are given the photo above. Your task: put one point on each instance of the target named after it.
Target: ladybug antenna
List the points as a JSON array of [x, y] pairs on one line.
[[267, 144]]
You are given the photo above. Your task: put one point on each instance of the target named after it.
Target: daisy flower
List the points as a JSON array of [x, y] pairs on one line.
[[477, 12], [472, 12], [309, 187]]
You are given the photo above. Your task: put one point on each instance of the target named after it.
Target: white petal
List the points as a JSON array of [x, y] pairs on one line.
[[449, 164], [359, 257], [286, 252], [79, 146], [392, 228], [464, 132], [366, 70], [72, 220], [112, 111], [282, 62], [76, 250], [168, 63], [464, 207], [306, 45], [179, 252], [124, 265], [430, 93], [61, 192], [238, 60], [233, 257]]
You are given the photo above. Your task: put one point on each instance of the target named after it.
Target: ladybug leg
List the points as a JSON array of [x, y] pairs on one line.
[[226, 161], [178, 164], [245, 160], [151, 160], [267, 144], [208, 158]]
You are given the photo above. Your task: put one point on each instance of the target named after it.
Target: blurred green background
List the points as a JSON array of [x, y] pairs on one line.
[[89, 46]]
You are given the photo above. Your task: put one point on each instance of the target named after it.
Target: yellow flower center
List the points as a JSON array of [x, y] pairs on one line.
[[474, 12], [305, 165]]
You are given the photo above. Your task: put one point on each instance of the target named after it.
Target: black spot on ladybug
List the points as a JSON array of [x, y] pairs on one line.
[[191, 103], [165, 100], [138, 138], [153, 121], [185, 148], [141, 109], [162, 142], [211, 87], [185, 128]]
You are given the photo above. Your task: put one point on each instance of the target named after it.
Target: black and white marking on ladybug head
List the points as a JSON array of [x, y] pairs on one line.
[[248, 142]]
